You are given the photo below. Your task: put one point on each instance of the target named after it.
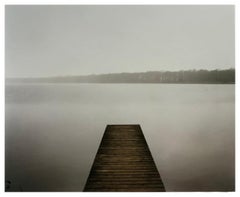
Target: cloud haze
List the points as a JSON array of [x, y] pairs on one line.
[[71, 40]]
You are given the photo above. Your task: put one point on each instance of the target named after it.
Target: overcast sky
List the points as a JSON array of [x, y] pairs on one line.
[[78, 40]]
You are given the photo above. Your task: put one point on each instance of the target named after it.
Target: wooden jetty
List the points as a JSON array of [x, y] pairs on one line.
[[124, 163]]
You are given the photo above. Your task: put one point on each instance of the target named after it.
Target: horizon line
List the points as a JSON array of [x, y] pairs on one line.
[[70, 75]]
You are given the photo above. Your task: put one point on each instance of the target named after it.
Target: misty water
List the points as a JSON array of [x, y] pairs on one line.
[[53, 132]]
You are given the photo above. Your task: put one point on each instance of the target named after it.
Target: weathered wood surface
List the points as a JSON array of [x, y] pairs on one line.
[[124, 163]]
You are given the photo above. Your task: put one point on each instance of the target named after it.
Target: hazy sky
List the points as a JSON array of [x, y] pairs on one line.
[[76, 40]]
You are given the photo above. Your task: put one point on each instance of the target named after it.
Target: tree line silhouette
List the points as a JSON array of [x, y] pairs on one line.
[[226, 76]]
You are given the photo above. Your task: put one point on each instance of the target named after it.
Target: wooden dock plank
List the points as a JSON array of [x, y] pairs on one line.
[[124, 163]]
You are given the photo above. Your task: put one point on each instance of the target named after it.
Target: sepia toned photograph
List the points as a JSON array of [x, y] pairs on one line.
[[119, 98]]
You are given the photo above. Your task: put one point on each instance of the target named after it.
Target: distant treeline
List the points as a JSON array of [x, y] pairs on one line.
[[188, 76]]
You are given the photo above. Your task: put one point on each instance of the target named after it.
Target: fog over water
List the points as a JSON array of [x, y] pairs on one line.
[[53, 132]]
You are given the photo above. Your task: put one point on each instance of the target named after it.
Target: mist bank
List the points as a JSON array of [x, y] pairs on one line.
[[226, 76]]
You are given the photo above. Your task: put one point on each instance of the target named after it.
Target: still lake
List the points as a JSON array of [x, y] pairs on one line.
[[53, 132]]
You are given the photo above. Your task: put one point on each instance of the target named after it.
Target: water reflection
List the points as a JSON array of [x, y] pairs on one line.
[[53, 132]]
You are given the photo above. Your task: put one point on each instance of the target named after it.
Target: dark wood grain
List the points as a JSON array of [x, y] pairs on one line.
[[124, 163]]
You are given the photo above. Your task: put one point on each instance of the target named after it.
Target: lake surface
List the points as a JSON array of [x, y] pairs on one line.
[[53, 132]]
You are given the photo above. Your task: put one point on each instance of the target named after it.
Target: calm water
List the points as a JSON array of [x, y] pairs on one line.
[[53, 132]]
